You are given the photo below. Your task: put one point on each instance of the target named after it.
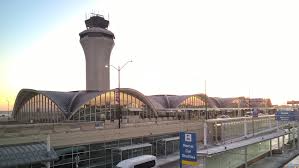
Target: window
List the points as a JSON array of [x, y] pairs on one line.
[[192, 102], [148, 164], [103, 107]]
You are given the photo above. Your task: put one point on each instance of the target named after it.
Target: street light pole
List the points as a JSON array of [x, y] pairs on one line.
[[205, 132], [118, 100], [206, 101], [119, 68], [118, 77]]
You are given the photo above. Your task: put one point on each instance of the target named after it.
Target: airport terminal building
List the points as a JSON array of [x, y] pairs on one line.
[[34, 106]]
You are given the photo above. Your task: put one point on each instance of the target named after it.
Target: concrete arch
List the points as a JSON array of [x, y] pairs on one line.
[[26, 94], [178, 100], [135, 93], [215, 102]]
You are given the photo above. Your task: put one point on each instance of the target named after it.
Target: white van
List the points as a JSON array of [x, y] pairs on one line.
[[144, 161]]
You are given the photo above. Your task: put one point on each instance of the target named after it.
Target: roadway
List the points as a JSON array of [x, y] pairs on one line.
[[174, 164]]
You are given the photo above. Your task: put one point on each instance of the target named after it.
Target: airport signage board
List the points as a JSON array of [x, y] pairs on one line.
[[285, 116], [188, 149]]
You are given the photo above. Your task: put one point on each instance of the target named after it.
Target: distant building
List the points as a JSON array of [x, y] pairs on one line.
[[293, 103]]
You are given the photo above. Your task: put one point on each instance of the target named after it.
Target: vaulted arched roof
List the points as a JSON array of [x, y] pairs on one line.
[[173, 101], [84, 98], [59, 98], [177, 100], [69, 102]]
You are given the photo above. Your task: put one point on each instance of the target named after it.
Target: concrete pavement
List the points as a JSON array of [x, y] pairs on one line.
[[276, 161]]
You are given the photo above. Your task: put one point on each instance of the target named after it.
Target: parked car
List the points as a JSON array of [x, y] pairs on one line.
[[144, 161]]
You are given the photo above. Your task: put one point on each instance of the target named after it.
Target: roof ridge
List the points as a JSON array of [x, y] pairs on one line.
[[73, 99], [167, 101]]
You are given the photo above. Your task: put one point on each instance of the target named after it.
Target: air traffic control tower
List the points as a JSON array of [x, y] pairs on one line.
[[97, 43]]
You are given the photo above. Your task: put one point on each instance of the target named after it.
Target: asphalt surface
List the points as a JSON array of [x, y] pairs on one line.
[[276, 161], [171, 165]]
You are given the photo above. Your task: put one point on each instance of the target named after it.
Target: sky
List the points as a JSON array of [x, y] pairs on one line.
[[240, 48]]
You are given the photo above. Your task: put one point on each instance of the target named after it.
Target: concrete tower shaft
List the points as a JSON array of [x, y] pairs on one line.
[[97, 43]]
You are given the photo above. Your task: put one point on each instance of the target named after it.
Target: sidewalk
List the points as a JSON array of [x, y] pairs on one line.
[[276, 161], [169, 159]]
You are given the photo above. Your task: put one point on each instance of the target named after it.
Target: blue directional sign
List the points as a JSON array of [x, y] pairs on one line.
[[285, 116], [188, 149]]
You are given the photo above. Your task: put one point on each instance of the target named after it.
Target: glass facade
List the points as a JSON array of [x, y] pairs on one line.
[[236, 157], [230, 129], [39, 108], [192, 102], [107, 106], [108, 154], [235, 103]]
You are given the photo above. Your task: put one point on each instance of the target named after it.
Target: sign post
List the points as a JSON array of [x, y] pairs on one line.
[[188, 149]]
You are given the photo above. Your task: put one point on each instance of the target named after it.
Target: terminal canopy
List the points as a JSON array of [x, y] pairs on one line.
[[25, 154]]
